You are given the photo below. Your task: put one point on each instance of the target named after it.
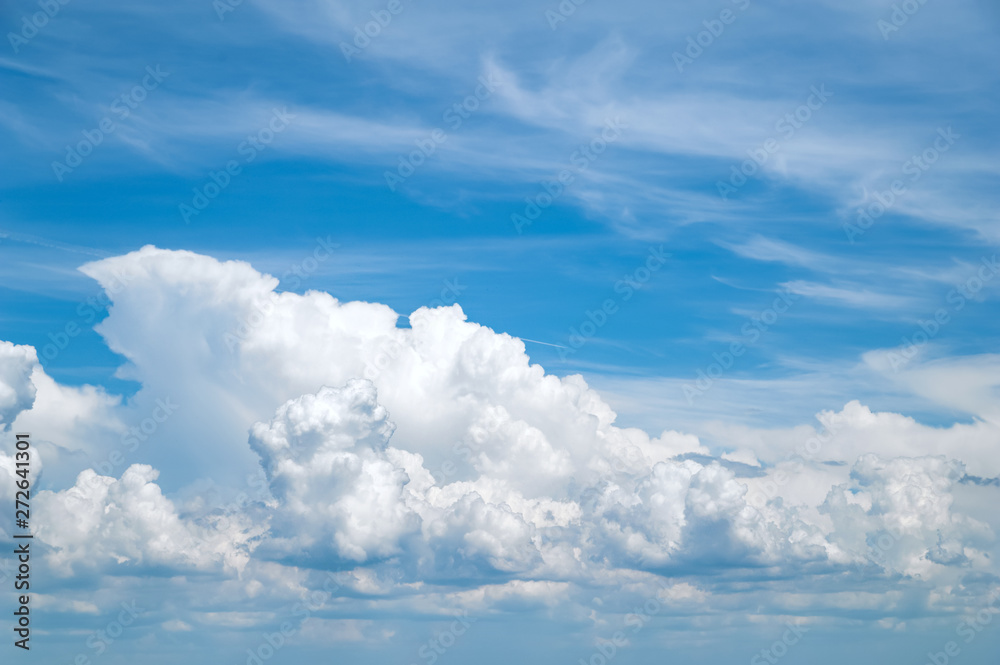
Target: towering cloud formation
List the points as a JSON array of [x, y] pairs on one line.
[[437, 455]]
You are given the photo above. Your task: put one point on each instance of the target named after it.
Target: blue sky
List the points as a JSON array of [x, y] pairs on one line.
[[655, 185], [244, 133]]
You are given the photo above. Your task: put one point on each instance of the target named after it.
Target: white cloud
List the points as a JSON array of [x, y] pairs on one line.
[[852, 296], [968, 384], [437, 455], [898, 514], [17, 392], [326, 461], [129, 522], [176, 625]]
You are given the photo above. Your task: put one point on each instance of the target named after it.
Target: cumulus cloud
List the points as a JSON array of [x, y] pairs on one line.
[[17, 392], [418, 458], [898, 514], [326, 462], [128, 521], [343, 489]]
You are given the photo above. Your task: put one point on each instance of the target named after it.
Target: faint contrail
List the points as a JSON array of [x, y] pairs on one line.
[[54, 244], [558, 346]]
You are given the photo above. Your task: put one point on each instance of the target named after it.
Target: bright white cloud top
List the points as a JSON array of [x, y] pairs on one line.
[[278, 437]]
